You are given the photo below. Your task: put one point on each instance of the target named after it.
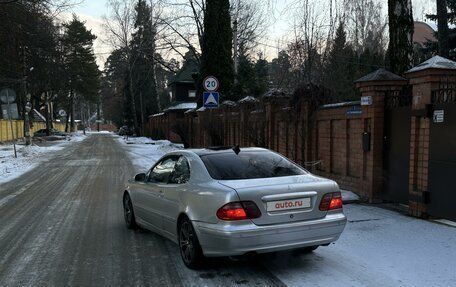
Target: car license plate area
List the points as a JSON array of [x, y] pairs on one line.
[[288, 204]]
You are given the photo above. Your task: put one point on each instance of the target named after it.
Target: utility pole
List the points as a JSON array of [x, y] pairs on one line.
[[235, 41], [27, 105], [154, 33], [235, 50]]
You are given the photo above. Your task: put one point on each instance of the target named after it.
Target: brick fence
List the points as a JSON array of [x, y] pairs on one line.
[[327, 141], [341, 141]]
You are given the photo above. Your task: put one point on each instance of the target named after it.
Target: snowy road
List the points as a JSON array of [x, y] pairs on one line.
[[62, 225]]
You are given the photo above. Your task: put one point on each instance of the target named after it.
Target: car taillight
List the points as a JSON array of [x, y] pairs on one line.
[[331, 201], [238, 211]]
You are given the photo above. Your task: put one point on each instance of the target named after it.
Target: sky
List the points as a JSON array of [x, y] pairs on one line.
[[92, 12]]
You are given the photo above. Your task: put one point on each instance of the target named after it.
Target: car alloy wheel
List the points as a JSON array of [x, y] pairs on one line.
[[129, 215], [189, 246]]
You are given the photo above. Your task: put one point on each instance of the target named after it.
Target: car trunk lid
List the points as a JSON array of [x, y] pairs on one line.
[[284, 199]]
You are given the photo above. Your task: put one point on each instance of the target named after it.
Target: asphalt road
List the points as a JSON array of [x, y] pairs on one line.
[[61, 224]]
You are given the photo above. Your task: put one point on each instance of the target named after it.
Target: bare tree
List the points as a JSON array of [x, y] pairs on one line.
[[182, 25], [119, 26], [251, 22], [308, 44], [365, 24]]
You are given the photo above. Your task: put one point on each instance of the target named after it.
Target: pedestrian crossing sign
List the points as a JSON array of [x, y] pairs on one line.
[[211, 99]]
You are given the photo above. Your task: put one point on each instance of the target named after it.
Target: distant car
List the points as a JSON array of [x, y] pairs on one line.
[[228, 202], [52, 132], [125, 131]]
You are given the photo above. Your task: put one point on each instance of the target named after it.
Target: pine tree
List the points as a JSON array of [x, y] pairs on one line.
[[281, 71], [83, 76], [339, 68], [143, 64], [114, 91], [245, 78], [446, 13], [400, 35], [261, 76], [216, 48]]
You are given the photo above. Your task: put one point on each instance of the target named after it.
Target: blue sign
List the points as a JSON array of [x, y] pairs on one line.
[[355, 110], [211, 99]]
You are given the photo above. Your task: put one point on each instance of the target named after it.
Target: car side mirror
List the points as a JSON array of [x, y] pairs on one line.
[[140, 177]]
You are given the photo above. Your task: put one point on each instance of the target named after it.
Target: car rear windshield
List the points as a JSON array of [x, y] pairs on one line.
[[246, 165]]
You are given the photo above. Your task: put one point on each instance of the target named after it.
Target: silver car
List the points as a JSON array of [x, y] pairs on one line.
[[227, 202]]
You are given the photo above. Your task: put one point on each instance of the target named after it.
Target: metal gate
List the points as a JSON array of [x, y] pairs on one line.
[[442, 154], [396, 146]]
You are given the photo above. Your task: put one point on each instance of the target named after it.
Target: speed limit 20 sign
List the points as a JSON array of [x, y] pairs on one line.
[[211, 84]]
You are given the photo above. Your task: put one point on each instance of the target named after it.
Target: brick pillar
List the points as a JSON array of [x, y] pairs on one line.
[[424, 81], [373, 122]]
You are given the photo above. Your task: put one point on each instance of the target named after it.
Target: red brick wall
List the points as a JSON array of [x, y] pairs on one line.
[[328, 140], [338, 145], [328, 136]]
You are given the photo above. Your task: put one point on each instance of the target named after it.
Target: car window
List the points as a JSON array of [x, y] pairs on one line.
[[246, 165], [181, 172], [162, 171]]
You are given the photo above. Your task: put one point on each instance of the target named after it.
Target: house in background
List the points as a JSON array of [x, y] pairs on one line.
[[423, 32], [182, 87]]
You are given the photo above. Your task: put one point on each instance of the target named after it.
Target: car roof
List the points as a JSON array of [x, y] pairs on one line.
[[221, 150]]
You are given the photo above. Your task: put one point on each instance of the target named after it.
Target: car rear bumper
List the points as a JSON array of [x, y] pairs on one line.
[[238, 238]]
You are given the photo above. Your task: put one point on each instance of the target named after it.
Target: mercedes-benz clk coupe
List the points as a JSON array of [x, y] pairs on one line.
[[233, 201]]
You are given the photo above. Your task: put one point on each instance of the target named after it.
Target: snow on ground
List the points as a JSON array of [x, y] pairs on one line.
[[144, 152], [30, 156], [349, 196], [378, 247]]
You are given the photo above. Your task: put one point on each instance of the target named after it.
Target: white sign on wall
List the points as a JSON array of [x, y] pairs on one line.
[[366, 101], [439, 116]]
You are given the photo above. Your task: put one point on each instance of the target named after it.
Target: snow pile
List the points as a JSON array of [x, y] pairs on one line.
[[27, 158], [144, 152], [30, 156], [349, 196], [77, 137]]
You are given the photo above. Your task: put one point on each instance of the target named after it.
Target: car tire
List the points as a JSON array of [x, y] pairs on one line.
[[189, 247], [129, 214], [308, 249]]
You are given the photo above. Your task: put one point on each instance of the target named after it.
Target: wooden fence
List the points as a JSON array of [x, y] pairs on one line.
[[14, 129]]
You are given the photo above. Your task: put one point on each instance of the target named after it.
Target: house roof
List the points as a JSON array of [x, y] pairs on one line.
[[182, 106], [423, 32], [275, 93], [228, 103], [435, 62], [380, 75], [185, 74], [37, 116], [248, 99]]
